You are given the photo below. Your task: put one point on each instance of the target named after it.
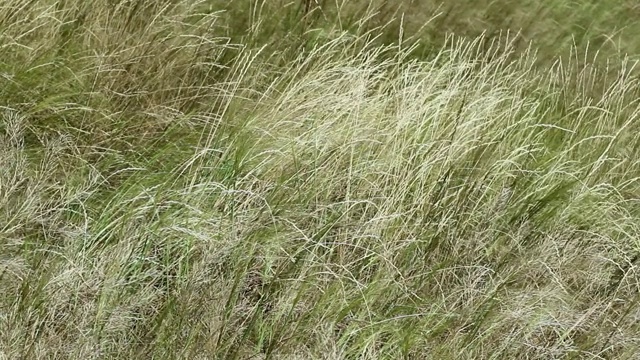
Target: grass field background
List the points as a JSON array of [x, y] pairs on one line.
[[362, 180]]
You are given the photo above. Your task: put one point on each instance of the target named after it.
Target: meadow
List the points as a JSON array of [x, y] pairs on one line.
[[249, 179]]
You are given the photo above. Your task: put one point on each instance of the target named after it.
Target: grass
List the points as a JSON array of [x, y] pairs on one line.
[[178, 181]]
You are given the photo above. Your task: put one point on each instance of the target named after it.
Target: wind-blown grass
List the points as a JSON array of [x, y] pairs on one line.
[[165, 193]]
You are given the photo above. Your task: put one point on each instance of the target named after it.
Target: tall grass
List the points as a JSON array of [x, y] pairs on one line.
[[554, 27], [169, 190]]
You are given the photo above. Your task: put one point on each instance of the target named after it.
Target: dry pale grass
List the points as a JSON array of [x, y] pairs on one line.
[[164, 197]]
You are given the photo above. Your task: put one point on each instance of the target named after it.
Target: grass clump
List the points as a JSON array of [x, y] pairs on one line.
[[170, 190]]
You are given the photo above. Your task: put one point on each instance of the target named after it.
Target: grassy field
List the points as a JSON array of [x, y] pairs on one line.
[[185, 179]]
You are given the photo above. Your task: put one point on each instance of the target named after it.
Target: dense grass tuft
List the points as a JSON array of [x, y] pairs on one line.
[[192, 180]]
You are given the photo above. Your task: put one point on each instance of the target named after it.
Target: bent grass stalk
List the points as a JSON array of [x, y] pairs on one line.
[[163, 196]]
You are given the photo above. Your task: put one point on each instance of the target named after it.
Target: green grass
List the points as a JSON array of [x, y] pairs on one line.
[[223, 180]]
